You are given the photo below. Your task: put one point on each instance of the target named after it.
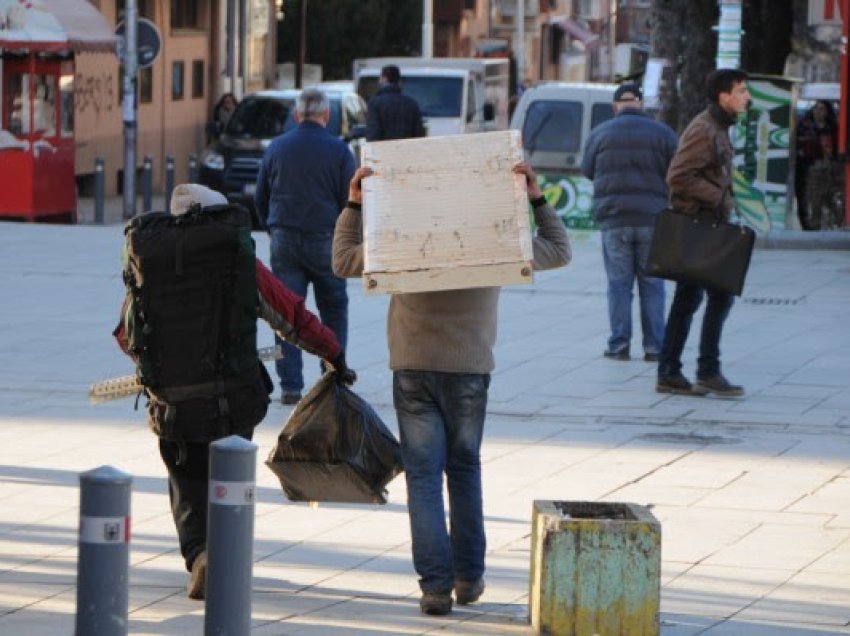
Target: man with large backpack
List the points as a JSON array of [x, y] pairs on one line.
[[189, 321]]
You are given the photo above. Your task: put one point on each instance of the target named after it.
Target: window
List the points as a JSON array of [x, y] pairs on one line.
[[66, 92], [186, 14], [44, 105], [600, 113], [197, 79], [145, 85], [177, 77], [553, 126]]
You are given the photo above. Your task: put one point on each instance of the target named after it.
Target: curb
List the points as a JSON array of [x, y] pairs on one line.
[[799, 240]]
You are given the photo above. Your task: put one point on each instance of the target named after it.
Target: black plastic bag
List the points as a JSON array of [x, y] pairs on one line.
[[335, 448]]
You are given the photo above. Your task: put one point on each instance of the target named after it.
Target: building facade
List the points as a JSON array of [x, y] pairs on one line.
[[177, 93]]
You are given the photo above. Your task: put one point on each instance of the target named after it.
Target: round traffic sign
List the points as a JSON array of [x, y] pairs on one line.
[[148, 42]]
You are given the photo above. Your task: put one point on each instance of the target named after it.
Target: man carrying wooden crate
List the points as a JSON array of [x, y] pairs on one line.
[[441, 354]]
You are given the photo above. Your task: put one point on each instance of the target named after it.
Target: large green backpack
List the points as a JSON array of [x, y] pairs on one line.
[[191, 321]]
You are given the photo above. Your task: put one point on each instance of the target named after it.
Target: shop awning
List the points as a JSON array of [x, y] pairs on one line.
[[54, 25], [576, 30]]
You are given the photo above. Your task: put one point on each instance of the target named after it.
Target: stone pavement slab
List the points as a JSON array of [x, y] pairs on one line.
[[752, 493]]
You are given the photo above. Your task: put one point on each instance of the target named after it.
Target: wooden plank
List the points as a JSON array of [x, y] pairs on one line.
[[439, 206]]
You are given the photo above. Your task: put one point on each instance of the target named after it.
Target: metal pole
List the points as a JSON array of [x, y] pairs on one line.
[[844, 108], [104, 552], [169, 180], [230, 536], [131, 68], [519, 45], [98, 190], [193, 168], [427, 28], [147, 184], [302, 44], [231, 45]]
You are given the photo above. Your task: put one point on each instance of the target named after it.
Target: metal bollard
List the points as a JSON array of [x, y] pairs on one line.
[[230, 537], [98, 191], [169, 180], [104, 552], [193, 168], [147, 184]]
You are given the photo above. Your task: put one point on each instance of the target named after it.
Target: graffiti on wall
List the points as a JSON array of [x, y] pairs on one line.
[[95, 92]]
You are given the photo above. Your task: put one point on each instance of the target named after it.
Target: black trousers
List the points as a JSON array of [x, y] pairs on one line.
[[188, 467]]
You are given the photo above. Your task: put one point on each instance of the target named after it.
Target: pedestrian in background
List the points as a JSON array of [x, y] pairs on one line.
[[627, 159], [190, 415], [301, 188], [817, 141], [441, 355], [224, 109], [700, 181], [391, 114]]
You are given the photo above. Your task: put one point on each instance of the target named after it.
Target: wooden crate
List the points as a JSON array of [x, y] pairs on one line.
[[595, 569], [445, 213]]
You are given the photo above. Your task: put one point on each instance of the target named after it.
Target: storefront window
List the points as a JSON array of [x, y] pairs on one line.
[[66, 89], [17, 86], [44, 105]]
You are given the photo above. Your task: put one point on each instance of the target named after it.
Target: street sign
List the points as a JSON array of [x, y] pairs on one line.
[[149, 42]]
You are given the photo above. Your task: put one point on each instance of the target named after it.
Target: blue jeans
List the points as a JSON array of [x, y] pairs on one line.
[[298, 259], [625, 250], [686, 301], [441, 422]]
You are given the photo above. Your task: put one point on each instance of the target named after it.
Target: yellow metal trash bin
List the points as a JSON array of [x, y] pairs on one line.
[[595, 569]]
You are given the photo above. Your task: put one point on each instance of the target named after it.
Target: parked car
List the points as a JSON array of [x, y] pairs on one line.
[[232, 161]]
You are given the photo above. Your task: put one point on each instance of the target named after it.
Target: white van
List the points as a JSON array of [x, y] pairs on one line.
[[555, 120]]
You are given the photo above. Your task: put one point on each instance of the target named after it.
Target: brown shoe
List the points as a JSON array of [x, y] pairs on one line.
[[467, 592], [436, 603], [198, 577]]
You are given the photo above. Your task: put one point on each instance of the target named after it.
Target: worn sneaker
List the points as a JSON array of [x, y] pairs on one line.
[[467, 592], [622, 354], [290, 398], [718, 385], [198, 577], [676, 384], [436, 603]]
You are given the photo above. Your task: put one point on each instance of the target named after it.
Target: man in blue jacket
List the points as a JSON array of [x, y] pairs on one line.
[[301, 189], [391, 114], [627, 159]]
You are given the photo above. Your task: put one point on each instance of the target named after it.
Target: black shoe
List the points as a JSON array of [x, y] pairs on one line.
[[198, 577], [718, 385], [468, 592], [650, 357], [676, 384], [622, 354], [290, 398], [436, 603]]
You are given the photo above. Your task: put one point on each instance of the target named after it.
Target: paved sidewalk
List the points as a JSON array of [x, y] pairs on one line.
[[753, 494]]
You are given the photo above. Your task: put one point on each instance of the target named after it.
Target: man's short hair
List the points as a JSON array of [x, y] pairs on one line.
[[391, 73], [723, 80], [311, 103]]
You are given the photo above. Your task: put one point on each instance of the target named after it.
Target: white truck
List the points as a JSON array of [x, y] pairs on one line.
[[455, 95]]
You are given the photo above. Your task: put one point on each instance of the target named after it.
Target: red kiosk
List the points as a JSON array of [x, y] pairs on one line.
[[38, 40]]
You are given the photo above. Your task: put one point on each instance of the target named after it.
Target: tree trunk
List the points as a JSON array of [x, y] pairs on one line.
[[666, 44], [698, 56]]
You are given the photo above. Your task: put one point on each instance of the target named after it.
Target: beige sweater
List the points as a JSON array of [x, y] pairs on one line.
[[451, 331]]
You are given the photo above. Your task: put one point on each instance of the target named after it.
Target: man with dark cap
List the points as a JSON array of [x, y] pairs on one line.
[[627, 159], [391, 113]]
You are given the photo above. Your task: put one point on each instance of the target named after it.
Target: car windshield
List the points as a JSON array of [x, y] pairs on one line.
[[553, 126], [436, 96], [267, 117]]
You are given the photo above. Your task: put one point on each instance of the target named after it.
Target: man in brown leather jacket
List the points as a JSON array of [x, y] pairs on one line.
[[700, 182]]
